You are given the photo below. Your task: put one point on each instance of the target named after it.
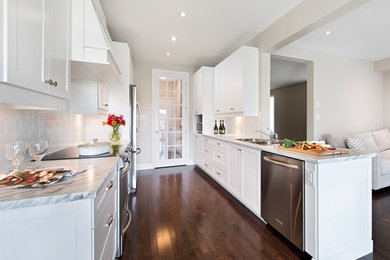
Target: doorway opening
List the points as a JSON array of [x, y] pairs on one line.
[[170, 118], [288, 98]]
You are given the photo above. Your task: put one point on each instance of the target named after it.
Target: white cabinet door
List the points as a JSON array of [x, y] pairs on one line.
[[37, 47], [219, 93], [25, 43], [197, 83], [199, 150], [104, 96], [236, 83], [56, 52], [251, 179], [235, 171]]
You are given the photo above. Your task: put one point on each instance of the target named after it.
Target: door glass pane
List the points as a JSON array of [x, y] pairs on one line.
[[171, 118]]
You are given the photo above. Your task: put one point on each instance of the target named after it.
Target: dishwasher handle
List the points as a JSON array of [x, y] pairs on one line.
[[286, 165]]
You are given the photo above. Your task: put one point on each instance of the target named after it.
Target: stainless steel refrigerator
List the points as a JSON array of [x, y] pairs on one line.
[[135, 126]]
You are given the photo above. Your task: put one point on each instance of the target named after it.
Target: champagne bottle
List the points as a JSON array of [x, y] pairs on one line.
[[215, 128], [220, 127], [223, 127]]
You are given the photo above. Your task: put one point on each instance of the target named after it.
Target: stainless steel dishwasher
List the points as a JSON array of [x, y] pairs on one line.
[[282, 195]]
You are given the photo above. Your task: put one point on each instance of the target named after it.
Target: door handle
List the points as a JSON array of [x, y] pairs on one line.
[[286, 165]]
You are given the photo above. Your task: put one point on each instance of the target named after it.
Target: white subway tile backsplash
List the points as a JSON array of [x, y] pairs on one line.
[[57, 127]]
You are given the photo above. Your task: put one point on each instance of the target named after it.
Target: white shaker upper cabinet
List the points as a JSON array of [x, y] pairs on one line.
[[35, 50], [236, 83], [203, 83]]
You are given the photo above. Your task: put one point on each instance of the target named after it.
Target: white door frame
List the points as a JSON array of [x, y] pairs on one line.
[[156, 74]]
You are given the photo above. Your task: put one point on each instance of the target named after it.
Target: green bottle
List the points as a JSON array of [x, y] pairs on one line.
[[223, 127], [220, 129], [215, 128]]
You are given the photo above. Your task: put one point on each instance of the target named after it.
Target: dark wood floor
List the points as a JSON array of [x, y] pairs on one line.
[[180, 213]]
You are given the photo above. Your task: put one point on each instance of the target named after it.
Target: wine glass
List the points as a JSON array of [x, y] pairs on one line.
[[38, 150], [15, 153]]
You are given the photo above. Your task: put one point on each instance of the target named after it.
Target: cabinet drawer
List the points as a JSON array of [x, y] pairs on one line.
[[207, 151], [219, 145], [220, 158], [206, 140], [207, 165], [220, 174], [105, 222], [105, 197]]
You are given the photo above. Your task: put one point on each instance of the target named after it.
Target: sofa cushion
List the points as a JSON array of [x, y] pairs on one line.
[[336, 140], [369, 142], [382, 139], [355, 143]]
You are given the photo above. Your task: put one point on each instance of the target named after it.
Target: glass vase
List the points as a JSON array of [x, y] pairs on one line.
[[115, 138]]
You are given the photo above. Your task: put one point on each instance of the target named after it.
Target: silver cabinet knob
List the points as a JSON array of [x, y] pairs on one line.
[[49, 81], [55, 84]]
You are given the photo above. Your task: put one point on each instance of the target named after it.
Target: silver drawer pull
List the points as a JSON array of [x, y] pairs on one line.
[[218, 173], [290, 166], [128, 222], [238, 149], [217, 110], [206, 164], [109, 186], [218, 144], [205, 150], [218, 156], [231, 109], [109, 221]]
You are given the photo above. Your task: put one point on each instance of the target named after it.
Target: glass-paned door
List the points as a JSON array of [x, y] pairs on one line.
[[170, 118]]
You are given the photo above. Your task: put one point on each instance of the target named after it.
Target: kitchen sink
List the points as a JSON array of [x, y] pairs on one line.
[[260, 141]]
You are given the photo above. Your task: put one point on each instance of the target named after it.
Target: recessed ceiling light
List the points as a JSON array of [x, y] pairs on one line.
[[163, 77], [327, 32], [182, 14], [173, 38], [168, 54]]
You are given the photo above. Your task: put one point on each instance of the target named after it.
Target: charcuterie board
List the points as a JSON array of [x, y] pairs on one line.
[[31, 179], [315, 153]]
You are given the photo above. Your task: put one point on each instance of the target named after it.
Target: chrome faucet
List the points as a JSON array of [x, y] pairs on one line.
[[272, 135]]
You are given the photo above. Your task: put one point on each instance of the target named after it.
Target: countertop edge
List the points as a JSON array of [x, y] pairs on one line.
[[295, 155]]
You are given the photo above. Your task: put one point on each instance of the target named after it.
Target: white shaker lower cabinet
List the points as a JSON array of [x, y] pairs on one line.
[[235, 167], [81, 230], [251, 179], [235, 170]]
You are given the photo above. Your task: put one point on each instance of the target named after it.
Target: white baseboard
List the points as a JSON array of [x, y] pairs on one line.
[[144, 166], [190, 162]]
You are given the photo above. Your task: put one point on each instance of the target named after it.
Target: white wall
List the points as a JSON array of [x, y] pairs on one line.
[[349, 92], [386, 99], [143, 80]]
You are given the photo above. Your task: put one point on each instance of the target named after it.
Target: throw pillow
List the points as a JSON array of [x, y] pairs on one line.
[[368, 141], [382, 139], [355, 143]]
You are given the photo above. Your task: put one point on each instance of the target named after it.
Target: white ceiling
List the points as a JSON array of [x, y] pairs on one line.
[[211, 31], [363, 33], [285, 72]]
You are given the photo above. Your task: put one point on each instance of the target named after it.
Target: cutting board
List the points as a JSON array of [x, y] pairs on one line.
[[325, 153]]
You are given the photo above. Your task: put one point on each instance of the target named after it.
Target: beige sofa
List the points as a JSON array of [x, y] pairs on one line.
[[376, 142]]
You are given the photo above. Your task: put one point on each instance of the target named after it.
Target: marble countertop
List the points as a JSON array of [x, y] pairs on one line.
[[296, 155], [81, 186]]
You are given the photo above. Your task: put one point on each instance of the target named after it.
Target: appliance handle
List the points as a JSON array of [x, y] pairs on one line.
[[125, 170], [128, 222], [290, 166], [138, 107]]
